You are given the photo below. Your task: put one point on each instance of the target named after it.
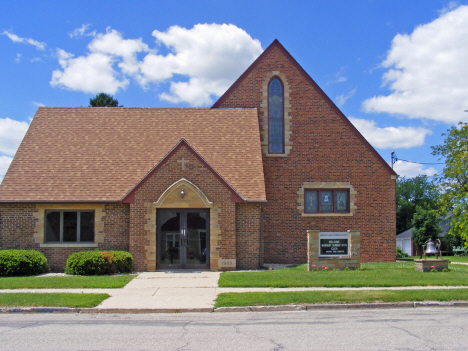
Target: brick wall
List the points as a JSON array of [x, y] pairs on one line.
[[324, 149], [248, 218], [17, 227], [197, 173]]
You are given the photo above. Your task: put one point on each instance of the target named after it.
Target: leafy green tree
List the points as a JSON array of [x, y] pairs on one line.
[[412, 192], [103, 100], [425, 226], [454, 179]]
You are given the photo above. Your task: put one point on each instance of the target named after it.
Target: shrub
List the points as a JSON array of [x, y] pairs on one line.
[[22, 262], [400, 253], [99, 262]]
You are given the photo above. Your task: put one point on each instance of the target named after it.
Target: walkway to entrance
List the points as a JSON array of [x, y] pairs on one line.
[[167, 290]]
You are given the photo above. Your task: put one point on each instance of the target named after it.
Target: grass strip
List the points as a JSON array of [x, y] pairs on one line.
[[75, 282], [373, 275], [349, 296], [51, 300]]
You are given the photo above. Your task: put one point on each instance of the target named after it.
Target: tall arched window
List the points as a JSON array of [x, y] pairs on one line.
[[275, 117]]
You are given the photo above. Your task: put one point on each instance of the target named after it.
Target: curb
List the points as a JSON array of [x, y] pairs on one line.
[[40, 310], [340, 306], [279, 308]]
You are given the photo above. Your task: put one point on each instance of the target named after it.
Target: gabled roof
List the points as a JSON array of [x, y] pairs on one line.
[[235, 196], [444, 226], [93, 154], [277, 44]]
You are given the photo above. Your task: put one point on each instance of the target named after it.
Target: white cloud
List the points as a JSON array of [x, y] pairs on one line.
[[82, 31], [449, 7], [4, 164], [390, 137], [410, 170], [11, 134], [206, 59], [36, 59], [38, 104], [95, 72], [17, 39], [212, 56], [341, 99], [427, 71], [114, 45], [18, 58], [339, 77], [90, 74]]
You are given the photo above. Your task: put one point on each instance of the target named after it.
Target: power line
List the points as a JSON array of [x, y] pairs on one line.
[[395, 159], [421, 163]]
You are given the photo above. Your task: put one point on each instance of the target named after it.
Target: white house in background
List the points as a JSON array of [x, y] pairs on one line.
[[405, 242]]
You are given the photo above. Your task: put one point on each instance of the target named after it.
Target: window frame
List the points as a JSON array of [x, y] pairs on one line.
[[333, 190], [268, 109], [78, 229]]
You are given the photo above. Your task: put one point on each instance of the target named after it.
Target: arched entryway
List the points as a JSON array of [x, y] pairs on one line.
[[185, 221]]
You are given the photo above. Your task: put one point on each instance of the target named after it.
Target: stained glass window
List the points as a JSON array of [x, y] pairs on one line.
[[326, 200], [341, 201], [275, 117], [311, 201]]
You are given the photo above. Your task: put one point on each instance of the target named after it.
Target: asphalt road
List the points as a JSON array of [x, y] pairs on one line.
[[378, 329]]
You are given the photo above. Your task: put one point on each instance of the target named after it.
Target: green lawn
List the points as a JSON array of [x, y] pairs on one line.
[[51, 300], [463, 259], [350, 296], [75, 282], [374, 274]]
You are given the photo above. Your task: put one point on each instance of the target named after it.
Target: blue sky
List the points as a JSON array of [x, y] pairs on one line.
[[397, 69]]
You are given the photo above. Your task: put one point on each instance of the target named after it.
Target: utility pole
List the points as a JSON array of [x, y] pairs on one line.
[[394, 158]]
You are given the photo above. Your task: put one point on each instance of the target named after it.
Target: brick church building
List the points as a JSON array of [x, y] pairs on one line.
[[229, 187]]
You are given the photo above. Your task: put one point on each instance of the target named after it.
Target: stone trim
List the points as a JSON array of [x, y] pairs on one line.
[[69, 245], [193, 198], [327, 185], [39, 230], [171, 198], [352, 261], [287, 114]]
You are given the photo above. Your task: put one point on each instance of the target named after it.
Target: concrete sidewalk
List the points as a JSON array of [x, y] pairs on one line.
[[166, 291]]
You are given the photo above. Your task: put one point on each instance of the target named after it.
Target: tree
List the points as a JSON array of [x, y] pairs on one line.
[[454, 179], [412, 192], [425, 226], [103, 100]]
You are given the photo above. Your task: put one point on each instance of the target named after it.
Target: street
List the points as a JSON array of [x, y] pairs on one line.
[[376, 329]]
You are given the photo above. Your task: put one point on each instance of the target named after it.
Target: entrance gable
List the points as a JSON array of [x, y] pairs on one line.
[[160, 192], [130, 196]]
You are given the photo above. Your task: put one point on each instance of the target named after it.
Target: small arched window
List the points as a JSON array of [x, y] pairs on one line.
[[275, 117]]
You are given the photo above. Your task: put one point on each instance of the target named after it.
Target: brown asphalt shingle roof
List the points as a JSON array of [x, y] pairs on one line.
[[89, 154]]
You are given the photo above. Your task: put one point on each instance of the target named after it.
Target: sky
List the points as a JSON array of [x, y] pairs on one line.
[[397, 69]]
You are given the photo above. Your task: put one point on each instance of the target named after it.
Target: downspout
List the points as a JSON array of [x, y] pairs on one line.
[[260, 249]]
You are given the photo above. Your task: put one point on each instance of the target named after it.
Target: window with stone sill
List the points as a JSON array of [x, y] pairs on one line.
[[326, 201], [69, 227]]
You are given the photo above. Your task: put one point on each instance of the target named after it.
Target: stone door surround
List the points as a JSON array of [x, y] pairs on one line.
[[171, 198]]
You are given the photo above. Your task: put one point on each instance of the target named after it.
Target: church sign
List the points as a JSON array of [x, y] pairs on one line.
[[334, 244]]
